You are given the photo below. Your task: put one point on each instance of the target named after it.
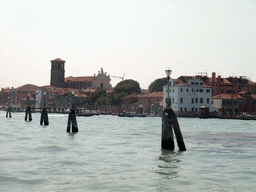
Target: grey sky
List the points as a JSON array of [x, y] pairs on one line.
[[140, 38]]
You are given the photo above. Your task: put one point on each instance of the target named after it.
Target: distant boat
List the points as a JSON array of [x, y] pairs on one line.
[[131, 114], [127, 114], [141, 115], [85, 115]]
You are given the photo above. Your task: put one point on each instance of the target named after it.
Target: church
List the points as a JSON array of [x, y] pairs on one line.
[[101, 80]]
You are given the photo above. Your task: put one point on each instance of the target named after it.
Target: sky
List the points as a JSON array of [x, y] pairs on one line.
[[137, 39]]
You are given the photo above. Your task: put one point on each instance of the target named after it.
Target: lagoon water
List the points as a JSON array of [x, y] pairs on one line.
[[111, 153]]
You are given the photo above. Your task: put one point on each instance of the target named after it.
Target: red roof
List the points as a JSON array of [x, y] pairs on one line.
[[85, 78], [154, 94], [29, 87], [226, 96]]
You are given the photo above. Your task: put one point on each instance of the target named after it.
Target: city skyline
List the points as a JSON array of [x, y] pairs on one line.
[[137, 38]]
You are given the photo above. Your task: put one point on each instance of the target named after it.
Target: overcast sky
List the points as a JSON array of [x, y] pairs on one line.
[[140, 38]]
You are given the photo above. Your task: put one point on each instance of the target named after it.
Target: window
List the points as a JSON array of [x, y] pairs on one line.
[[181, 100], [196, 109], [201, 90], [196, 83], [201, 100], [196, 100], [208, 91], [192, 83], [187, 90], [192, 100], [208, 100], [223, 103], [180, 89], [185, 109], [181, 109], [192, 109]]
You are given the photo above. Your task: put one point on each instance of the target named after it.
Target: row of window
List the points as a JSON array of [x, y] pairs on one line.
[[196, 83], [192, 90], [193, 109], [241, 102]]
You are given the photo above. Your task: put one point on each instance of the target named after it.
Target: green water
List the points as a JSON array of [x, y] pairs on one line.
[[110, 153]]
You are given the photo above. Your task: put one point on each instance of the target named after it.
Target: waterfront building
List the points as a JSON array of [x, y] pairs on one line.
[[228, 85], [235, 104], [188, 96], [102, 80], [25, 91], [151, 103]]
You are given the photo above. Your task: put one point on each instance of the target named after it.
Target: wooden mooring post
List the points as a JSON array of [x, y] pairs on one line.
[[28, 116], [9, 109], [44, 117], [8, 112], [170, 123], [72, 124]]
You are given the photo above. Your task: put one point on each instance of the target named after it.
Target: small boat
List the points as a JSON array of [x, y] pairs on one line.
[[85, 115], [127, 114], [141, 115]]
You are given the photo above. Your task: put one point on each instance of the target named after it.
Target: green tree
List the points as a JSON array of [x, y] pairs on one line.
[[128, 86], [157, 85], [123, 89]]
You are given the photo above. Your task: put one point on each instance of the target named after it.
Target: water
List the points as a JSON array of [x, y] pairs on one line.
[[110, 153]]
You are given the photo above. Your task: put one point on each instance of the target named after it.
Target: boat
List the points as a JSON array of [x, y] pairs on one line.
[[127, 114], [141, 115], [85, 115]]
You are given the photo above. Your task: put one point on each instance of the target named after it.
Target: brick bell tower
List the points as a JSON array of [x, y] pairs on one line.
[[58, 73]]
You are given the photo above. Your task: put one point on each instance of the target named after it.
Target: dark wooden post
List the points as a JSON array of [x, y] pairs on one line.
[[44, 115], [72, 124], [8, 111], [28, 115], [170, 123]]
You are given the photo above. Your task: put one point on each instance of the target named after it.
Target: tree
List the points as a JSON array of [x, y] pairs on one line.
[[128, 86], [123, 89], [157, 85]]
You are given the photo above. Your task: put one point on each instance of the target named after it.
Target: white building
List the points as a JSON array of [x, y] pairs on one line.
[[187, 97]]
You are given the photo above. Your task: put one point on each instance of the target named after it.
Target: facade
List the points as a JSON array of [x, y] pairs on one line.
[[226, 104], [229, 85], [25, 91], [235, 104], [151, 102], [188, 96], [8, 95], [102, 80]]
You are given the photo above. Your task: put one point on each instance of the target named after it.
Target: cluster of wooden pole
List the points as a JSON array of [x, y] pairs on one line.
[[170, 123]]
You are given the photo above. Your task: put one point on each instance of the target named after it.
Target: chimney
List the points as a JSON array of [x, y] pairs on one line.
[[219, 79], [213, 77]]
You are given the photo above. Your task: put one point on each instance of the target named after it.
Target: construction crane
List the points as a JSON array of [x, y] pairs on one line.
[[119, 77]]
